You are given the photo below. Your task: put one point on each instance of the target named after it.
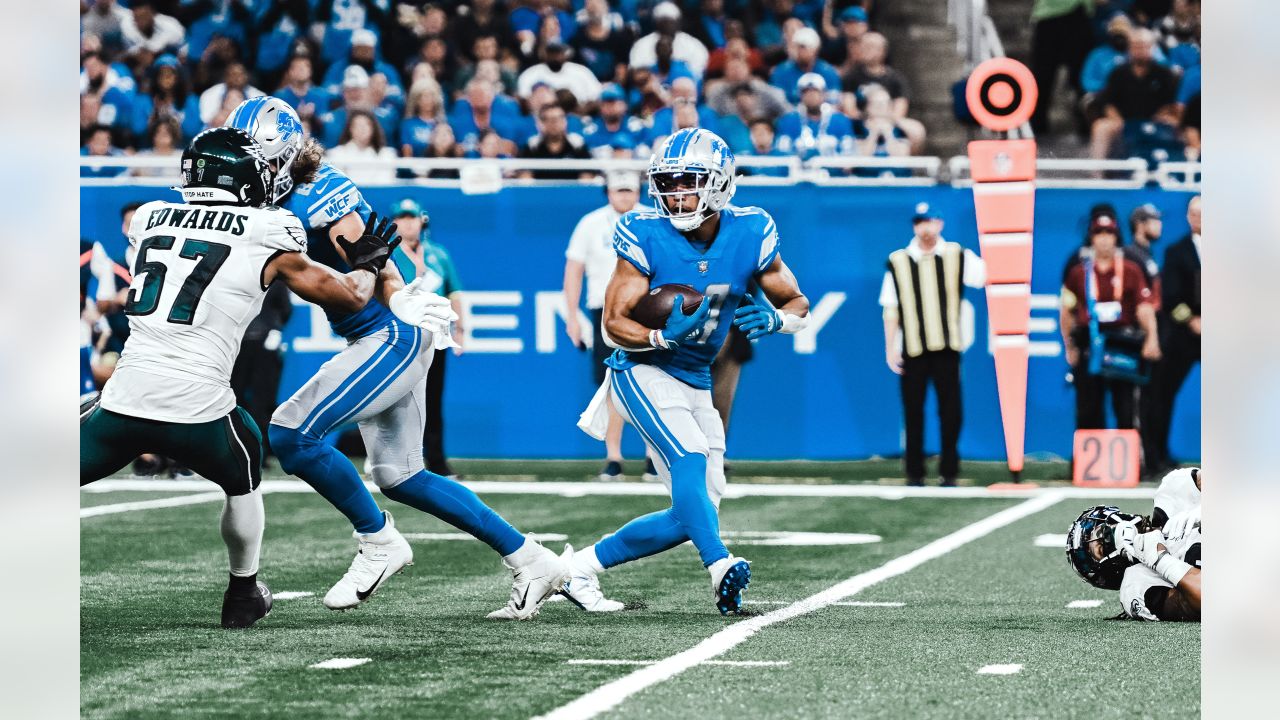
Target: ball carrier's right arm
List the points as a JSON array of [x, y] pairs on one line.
[[626, 288]]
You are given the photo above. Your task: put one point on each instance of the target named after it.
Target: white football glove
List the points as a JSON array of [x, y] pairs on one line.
[[416, 305], [1138, 546], [1184, 522]]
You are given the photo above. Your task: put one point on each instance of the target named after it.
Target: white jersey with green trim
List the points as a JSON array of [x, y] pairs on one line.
[[197, 283]]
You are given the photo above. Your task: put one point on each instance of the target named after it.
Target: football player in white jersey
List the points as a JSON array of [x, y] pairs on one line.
[[1155, 563], [201, 269]]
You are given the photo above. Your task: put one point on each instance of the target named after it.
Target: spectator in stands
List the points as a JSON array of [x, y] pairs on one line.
[[1117, 302], [280, 29], [534, 18], [1190, 126], [99, 145], [880, 132], [485, 52], [763, 142], [167, 93], [90, 106], [361, 142], [769, 30], [109, 74], [1179, 34], [646, 95], [559, 73], [230, 100], [475, 112], [114, 105], [554, 141], [164, 140], [104, 19], [435, 54], [491, 147], [840, 39], [667, 68], [612, 133], [482, 17], [356, 95], [684, 92], [236, 77], [1106, 57], [723, 94], [602, 41], [341, 20], [148, 34], [423, 112], [1061, 36], [708, 24], [685, 47], [1139, 91], [816, 127], [364, 53], [444, 145], [871, 69], [304, 97], [803, 53], [737, 47]]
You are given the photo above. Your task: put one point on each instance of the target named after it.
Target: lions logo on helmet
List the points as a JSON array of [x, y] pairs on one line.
[[692, 160], [1091, 546], [279, 132]]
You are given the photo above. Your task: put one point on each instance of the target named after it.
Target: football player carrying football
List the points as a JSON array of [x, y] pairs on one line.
[[377, 382], [661, 378], [201, 271], [1155, 563]]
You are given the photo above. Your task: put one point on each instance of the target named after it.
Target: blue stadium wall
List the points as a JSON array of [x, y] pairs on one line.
[[519, 389]]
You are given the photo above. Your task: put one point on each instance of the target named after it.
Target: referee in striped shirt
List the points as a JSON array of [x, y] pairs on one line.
[[921, 297]]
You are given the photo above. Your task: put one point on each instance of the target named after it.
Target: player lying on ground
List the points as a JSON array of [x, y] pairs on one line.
[[202, 268], [377, 382], [1155, 564], [661, 378]]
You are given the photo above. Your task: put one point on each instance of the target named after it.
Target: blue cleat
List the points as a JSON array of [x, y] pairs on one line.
[[729, 579]]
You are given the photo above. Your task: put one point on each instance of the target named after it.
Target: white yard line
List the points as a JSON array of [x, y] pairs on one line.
[[340, 663], [579, 489], [168, 502], [1010, 669], [1084, 604], [1051, 540], [540, 537], [612, 694], [291, 595], [851, 603]]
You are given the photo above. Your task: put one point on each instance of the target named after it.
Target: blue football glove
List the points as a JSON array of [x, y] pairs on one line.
[[757, 320], [681, 327]]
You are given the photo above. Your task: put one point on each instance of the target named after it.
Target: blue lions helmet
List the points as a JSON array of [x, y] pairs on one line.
[[1091, 546], [276, 127], [692, 160]]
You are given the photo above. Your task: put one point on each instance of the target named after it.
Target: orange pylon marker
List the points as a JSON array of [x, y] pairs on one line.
[[1001, 94]]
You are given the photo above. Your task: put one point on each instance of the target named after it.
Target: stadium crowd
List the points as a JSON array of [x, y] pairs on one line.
[[495, 78], [1134, 66]]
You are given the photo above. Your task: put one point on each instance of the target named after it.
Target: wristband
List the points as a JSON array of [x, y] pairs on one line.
[[792, 324], [656, 340], [1170, 568]]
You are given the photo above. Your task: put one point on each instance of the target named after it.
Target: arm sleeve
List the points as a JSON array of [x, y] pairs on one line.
[[631, 245], [769, 244], [975, 270]]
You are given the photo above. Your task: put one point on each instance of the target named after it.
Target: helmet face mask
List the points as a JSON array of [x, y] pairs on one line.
[[278, 130], [697, 162], [1091, 546]]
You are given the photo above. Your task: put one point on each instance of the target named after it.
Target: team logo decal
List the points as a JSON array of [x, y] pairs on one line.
[[702, 266]]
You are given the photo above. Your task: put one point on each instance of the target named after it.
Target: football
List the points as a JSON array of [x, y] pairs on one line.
[[653, 309]]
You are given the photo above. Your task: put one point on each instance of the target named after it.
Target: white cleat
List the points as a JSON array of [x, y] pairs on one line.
[[537, 576], [583, 588], [729, 579], [382, 554]]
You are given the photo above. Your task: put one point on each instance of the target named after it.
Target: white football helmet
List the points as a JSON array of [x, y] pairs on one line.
[[277, 129], [705, 156]]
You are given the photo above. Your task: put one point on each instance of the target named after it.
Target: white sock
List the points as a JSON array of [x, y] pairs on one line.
[[243, 520], [585, 562], [525, 554]]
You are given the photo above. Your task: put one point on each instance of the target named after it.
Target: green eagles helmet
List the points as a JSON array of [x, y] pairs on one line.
[[1091, 546], [225, 164]]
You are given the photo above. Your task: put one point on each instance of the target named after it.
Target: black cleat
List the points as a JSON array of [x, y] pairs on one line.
[[242, 610]]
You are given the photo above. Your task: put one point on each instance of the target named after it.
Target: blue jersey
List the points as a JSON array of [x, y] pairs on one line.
[[318, 205], [745, 246]]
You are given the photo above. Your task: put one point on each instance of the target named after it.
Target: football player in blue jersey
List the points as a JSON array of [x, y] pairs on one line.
[[661, 379], [377, 381]]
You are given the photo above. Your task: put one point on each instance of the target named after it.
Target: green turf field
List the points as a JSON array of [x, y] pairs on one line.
[[152, 581]]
